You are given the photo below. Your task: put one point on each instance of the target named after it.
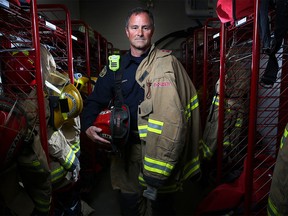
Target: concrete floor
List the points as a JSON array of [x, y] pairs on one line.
[[103, 199]]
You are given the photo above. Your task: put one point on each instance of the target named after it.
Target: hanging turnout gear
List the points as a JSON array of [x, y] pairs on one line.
[[115, 120]]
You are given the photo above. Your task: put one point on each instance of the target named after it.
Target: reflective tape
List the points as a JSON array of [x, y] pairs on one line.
[[57, 174], [207, 153], [42, 204], [284, 137], [216, 100], [239, 122], [155, 126], [76, 147], [159, 167], [271, 208], [191, 167], [69, 159], [142, 129], [193, 104]]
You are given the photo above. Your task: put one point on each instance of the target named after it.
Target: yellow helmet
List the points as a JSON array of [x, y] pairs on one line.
[[82, 83], [58, 79], [68, 104], [64, 99]]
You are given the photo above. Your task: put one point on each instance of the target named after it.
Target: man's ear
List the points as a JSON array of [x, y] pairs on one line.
[[127, 32]]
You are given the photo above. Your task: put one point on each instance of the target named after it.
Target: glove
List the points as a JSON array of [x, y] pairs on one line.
[[75, 173], [150, 193]]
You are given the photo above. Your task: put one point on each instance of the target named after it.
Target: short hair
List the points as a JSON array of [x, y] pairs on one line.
[[139, 10]]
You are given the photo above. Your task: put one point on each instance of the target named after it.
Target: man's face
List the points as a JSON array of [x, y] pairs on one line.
[[139, 31]]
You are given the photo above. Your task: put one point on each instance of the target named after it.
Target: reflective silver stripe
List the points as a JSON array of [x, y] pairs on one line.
[[193, 104], [69, 159], [191, 168], [155, 126], [142, 130], [158, 167]]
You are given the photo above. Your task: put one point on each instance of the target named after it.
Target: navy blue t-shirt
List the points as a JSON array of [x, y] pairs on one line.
[[104, 92]]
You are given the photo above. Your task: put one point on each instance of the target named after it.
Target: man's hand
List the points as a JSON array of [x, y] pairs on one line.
[[92, 133]]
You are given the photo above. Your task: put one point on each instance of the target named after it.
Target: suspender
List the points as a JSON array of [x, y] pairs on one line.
[[118, 100], [120, 112]]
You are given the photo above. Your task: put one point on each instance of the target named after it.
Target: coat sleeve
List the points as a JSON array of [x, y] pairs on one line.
[[61, 151], [98, 99]]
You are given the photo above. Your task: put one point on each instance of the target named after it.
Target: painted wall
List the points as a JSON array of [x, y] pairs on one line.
[[108, 17], [72, 6]]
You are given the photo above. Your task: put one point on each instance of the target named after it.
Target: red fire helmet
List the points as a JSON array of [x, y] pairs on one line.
[[19, 72], [115, 125], [13, 129]]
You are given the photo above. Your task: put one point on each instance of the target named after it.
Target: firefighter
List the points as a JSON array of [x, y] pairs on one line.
[[162, 148]]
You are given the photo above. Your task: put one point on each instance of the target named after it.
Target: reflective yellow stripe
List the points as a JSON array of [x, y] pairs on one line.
[[69, 159], [76, 147], [25, 52], [158, 167], [57, 174], [207, 153], [142, 181], [155, 126], [42, 204], [216, 100], [193, 104], [271, 209], [239, 122], [284, 137], [226, 143], [35, 165], [191, 167], [142, 129]]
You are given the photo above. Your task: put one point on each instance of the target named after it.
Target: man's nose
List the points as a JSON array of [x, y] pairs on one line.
[[140, 31]]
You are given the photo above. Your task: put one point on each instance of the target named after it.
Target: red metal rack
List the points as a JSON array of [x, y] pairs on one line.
[[251, 146], [19, 51]]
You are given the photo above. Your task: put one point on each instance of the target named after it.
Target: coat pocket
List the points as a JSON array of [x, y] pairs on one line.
[[145, 108]]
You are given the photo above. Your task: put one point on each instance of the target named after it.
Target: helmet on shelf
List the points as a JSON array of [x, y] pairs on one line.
[[19, 72], [13, 130], [81, 83]]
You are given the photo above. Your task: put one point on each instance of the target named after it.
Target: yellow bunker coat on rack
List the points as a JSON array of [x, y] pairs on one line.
[[33, 163], [237, 84], [63, 159], [277, 201]]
